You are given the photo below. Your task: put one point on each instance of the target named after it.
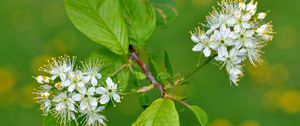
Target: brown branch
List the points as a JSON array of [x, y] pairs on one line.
[[147, 72]]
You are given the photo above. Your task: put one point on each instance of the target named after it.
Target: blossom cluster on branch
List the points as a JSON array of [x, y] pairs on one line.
[[235, 32], [69, 91]]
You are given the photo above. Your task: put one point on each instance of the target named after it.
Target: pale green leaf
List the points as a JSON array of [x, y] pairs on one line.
[[161, 112], [200, 114], [165, 11], [140, 18], [139, 75], [101, 21]]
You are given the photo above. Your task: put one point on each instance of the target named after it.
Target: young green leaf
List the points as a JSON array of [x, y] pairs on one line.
[[152, 67], [165, 11], [101, 21], [168, 64], [112, 62], [161, 112], [200, 114], [140, 18], [144, 100], [139, 75]]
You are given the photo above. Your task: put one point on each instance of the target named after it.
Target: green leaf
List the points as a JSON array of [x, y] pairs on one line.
[[200, 114], [111, 62], [168, 64], [139, 75], [152, 67], [101, 21], [165, 11], [140, 18], [144, 100], [50, 121], [161, 112]]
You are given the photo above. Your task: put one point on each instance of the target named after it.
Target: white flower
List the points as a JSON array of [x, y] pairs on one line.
[[91, 70], [74, 94], [43, 97], [235, 33], [203, 44], [59, 67], [42, 79], [110, 92], [75, 80], [93, 117], [64, 107]]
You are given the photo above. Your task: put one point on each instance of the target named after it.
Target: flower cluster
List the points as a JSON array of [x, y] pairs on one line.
[[69, 92], [235, 32]]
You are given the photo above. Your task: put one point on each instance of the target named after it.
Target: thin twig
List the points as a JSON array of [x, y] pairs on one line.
[[147, 72], [200, 66], [124, 66]]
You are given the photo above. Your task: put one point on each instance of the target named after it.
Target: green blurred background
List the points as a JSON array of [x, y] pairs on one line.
[[32, 31]]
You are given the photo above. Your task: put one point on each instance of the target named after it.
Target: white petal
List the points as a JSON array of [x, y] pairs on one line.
[[261, 16], [233, 52], [198, 47], [93, 102], [223, 29], [53, 77], [116, 97], [71, 88], [71, 107], [82, 90], [86, 79], [104, 99], [65, 83], [99, 76], [80, 84], [39, 79], [251, 6], [62, 77], [237, 28], [109, 82], [222, 51], [91, 91], [60, 106], [231, 21], [76, 97], [195, 38], [246, 17], [100, 108], [206, 52], [101, 90], [246, 25], [94, 81], [83, 105]]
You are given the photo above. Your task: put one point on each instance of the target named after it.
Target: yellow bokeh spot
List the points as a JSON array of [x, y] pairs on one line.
[[38, 62], [27, 96], [270, 99], [63, 42], [7, 79], [268, 74], [8, 97], [221, 122], [250, 123], [289, 101]]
